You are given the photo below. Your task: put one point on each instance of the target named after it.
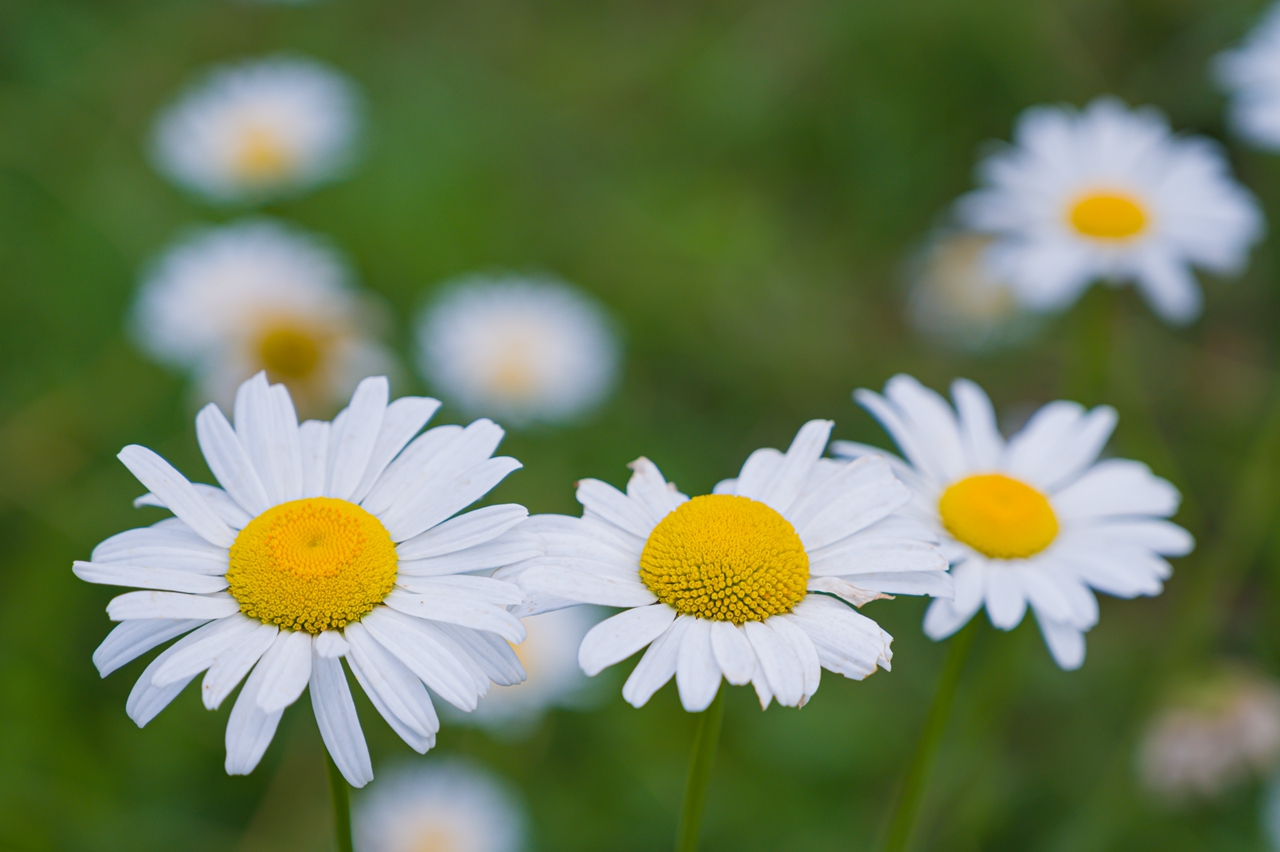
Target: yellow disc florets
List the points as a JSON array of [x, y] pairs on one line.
[[312, 565], [998, 516], [726, 558], [1108, 216]]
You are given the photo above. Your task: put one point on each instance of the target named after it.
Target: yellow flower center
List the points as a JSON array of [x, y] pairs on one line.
[[288, 353], [998, 516], [313, 564], [1108, 216], [262, 158], [726, 558], [437, 838]]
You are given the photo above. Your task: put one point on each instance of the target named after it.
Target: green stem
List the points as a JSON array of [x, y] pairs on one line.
[[903, 821], [700, 762], [341, 806]]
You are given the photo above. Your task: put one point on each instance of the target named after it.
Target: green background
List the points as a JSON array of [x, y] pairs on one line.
[[741, 183]]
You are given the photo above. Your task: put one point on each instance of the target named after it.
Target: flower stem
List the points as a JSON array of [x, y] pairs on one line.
[[907, 808], [700, 762], [341, 806]]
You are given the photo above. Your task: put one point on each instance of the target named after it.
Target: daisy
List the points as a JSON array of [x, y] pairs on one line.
[[756, 582], [524, 349], [554, 679], [326, 540], [1251, 76], [227, 302], [1213, 735], [1035, 520], [440, 807], [1110, 193], [261, 129], [955, 298]]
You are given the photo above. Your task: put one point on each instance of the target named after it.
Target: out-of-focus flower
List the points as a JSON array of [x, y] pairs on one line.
[[1035, 520], [227, 302], [447, 806], [1213, 735], [259, 129], [548, 654], [1250, 74], [755, 583], [1110, 193], [523, 349], [955, 298], [326, 540]]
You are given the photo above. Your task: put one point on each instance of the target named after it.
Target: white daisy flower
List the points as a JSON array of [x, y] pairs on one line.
[[449, 806], [1251, 76], [1215, 734], [524, 349], [326, 540], [554, 678], [1035, 520], [1110, 193], [260, 129], [227, 302], [756, 582], [955, 298]]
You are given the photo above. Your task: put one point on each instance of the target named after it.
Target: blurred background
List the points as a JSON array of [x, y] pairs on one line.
[[747, 189]]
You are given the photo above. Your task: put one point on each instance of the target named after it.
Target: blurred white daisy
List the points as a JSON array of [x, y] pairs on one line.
[[260, 129], [1214, 734], [955, 298], [756, 583], [548, 655], [1035, 520], [326, 540], [227, 302], [524, 349], [1251, 76], [447, 806], [1110, 193]]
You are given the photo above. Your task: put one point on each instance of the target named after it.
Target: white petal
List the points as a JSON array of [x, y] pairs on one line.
[[146, 700], [611, 505], [457, 610], [205, 646], [549, 577], [493, 654], [167, 540], [421, 743], [778, 663], [846, 641], [233, 664], [862, 493], [1116, 487], [1065, 642], [937, 584], [462, 532], [757, 472], [170, 605], [141, 577], [422, 650], [313, 442], [810, 667], [228, 460], [466, 587], [843, 589], [285, 671], [805, 450], [733, 652], [861, 554], [339, 725], [173, 488], [945, 617], [697, 675], [250, 729], [1006, 601], [979, 434], [616, 638], [131, 639], [657, 666], [401, 698], [508, 549], [436, 503], [268, 430], [424, 456], [352, 445], [403, 419], [229, 510], [331, 645], [1159, 536], [651, 491]]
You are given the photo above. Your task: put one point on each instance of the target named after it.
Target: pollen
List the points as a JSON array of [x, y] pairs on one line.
[[313, 565], [998, 516], [261, 157], [1108, 216], [726, 558], [288, 353]]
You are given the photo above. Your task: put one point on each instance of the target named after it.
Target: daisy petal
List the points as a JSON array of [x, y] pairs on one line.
[[697, 675], [398, 692], [339, 725], [230, 667], [657, 666], [778, 662], [462, 532], [228, 460], [131, 639], [178, 495], [616, 638], [352, 445], [404, 418], [285, 672], [733, 652], [1065, 642], [170, 605], [313, 441]]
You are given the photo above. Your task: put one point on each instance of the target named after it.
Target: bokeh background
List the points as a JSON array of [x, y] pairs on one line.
[[743, 184]]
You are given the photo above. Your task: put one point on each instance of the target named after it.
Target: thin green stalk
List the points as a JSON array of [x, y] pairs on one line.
[[700, 762], [341, 806], [903, 821]]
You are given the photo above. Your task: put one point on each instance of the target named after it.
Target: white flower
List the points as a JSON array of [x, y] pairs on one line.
[[756, 582], [1251, 76], [227, 302], [956, 299], [548, 655], [261, 129], [1111, 193], [448, 806], [524, 349], [324, 541], [1213, 735], [1036, 519]]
